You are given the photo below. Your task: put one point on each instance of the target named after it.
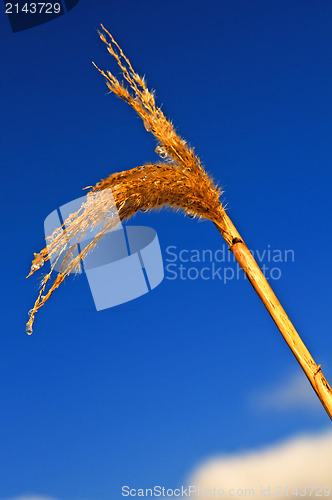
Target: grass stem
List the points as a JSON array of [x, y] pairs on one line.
[[277, 312]]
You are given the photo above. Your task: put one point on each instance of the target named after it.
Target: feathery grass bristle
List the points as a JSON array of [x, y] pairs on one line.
[[180, 182]]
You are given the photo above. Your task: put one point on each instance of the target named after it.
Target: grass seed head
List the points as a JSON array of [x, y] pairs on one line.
[[180, 183]]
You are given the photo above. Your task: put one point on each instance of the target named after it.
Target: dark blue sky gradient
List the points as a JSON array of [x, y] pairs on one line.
[[141, 393]]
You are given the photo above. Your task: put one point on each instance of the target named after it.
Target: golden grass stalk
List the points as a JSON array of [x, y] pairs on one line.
[[181, 183]]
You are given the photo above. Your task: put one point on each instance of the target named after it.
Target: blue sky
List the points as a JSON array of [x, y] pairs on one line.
[[141, 393]]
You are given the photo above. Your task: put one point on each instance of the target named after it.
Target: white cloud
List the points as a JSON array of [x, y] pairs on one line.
[[293, 393], [304, 461]]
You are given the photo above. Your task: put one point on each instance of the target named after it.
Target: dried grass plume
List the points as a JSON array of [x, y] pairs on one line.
[[179, 182]]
